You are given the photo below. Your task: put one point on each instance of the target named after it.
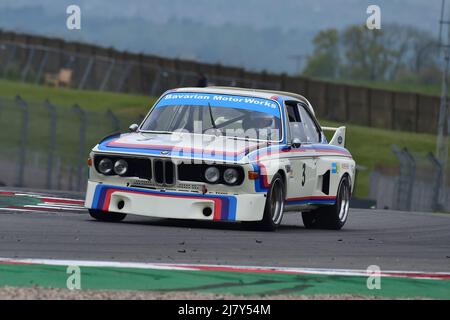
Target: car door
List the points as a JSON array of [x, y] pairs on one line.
[[304, 178]]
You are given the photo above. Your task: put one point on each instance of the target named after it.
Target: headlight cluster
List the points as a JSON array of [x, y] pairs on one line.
[[107, 167], [213, 174]]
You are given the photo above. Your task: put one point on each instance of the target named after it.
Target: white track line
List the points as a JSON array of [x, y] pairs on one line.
[[14, 209], [30, 208], [83, 263], [57, 206], [47, 197], [37, 195], [43, 207]]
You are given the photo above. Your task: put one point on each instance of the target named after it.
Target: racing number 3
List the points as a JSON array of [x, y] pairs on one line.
[[303, 174]]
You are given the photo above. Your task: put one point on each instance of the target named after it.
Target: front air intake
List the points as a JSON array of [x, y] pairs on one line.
[[164, 172]]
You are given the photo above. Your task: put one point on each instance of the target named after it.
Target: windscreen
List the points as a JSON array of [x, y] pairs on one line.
[[227, 115]]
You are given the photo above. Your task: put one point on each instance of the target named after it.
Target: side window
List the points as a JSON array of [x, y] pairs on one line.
[[295, 126], [292, 113], [309, 126]]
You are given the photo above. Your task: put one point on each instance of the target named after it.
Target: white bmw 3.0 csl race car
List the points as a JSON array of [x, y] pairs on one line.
[[224, 154]]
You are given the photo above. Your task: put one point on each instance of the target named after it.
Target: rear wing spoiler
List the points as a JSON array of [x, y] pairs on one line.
[[338, 137]]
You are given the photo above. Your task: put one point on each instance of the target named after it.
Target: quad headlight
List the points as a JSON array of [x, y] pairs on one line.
[[221, 174], [212, 174], [105, 166], [230, 176], [121, 167], [111, 166]]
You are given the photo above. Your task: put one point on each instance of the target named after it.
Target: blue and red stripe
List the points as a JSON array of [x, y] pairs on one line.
[[224, 205], [330, 200]]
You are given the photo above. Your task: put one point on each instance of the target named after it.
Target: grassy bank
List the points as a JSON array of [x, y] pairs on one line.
[[91, 100]]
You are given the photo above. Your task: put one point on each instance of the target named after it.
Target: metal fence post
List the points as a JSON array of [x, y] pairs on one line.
[[82, 143], [406, 180], [9, 59], [28, 64], [86, 73], [51, 143], [42, 65], [114, 120], [58, 173], [155, 82], [23, 141], [411, 176], [70, 187], [183, 77], [399, 192], [437, 204], [123, 77], [107, 75]]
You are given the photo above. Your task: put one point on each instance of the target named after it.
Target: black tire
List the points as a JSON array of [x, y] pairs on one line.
[[331, 217], [273, 210], [106, 216]]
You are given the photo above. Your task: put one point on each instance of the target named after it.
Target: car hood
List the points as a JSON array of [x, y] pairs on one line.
[[180, 145]]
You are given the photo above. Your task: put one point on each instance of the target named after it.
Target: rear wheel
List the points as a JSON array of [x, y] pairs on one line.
[[106, 216], [331, 217]]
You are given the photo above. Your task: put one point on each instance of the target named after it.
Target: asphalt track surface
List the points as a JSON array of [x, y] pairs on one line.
[[393, 240]]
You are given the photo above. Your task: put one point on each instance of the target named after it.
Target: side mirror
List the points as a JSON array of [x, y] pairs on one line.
[[133, 128], [296, 143]]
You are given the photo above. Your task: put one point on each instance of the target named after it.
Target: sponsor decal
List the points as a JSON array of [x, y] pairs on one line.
[[221, 100], [335, 168]]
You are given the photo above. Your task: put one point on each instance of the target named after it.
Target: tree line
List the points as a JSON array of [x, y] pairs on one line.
[[394, 53]]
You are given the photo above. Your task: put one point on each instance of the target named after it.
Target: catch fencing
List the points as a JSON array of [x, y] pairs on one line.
[[45, 146], [42, 60], [59, 67], [417, 184]]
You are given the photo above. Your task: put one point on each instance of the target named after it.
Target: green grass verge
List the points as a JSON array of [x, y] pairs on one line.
[[221, 282], [369, 146]]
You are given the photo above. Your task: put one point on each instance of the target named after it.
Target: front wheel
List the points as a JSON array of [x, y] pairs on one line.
[[331, 217], [106, 216], [273, 210]]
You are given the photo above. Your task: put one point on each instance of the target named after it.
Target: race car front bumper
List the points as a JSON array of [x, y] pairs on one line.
[[174, 204]]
